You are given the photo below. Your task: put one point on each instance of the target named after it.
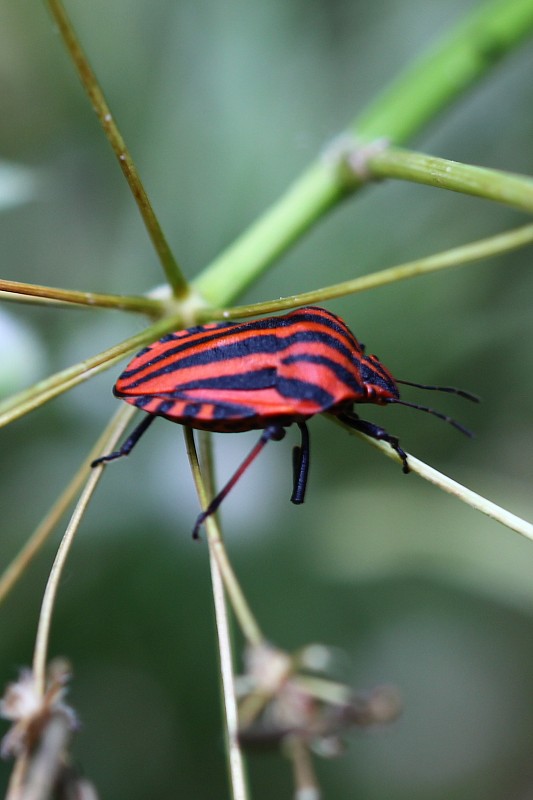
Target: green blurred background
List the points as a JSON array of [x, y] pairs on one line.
[[223, 104]]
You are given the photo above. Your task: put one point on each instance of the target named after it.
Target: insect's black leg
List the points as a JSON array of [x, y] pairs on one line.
[[274, 432], [300, 466], [375, 432], [129, 444]]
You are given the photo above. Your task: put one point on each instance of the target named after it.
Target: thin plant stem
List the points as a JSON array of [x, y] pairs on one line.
[[236, 762], [241, 609], [70, 297], [16, 780], [50, 593], [114, 432], [15, 570], [89, 81], [23, 402], [447, 259], [474, 500], [219, 575], [305, 779], [236, 767]]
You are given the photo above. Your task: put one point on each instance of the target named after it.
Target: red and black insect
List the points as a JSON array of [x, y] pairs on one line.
[[265, 374]]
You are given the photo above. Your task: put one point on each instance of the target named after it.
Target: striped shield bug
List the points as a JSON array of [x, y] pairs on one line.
[[263, 374]]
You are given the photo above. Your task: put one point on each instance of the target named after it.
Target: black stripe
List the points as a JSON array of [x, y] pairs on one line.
[[164, 407], [303, 390], [238, 381], [192, 409], [226, 410], [341, 372], [225, 329], [249, 345]]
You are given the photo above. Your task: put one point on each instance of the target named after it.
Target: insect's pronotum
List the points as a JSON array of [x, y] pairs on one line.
[[264, 374]]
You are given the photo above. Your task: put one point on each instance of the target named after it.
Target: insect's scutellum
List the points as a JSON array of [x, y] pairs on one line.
[[263, 374]]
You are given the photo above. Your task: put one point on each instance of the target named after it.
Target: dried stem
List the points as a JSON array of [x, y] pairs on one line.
[[222, 575], [47, 606], [25, 556], [241, 609], [305, 780], [44, 767]]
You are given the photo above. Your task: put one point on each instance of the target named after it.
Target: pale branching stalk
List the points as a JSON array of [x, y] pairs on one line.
[[47, 607], [474, 500], [305, 780], [247, 622], [40, 536], [223, 579]]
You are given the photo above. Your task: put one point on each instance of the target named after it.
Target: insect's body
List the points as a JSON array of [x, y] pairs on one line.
[[263, 374], [230, 377]]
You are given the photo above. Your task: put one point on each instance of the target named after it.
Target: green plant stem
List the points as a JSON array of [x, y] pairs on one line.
[[243, 261], [456, 257], [513, 190], [90, 84], [271, 235], [23, 402], [450, 67], [22, 292]]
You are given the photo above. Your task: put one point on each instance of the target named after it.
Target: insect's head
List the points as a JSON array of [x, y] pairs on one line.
[[379, 385], [381, 388]]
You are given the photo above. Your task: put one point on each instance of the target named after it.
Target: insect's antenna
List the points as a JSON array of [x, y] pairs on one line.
[[451, 389], [438, 414]]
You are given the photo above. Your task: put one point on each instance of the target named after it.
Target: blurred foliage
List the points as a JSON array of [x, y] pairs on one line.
[[222, 105]]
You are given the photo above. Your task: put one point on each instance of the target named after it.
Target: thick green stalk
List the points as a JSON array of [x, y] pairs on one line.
[[450, 67]]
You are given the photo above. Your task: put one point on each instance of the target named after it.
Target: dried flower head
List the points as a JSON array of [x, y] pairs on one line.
[[30, 710]]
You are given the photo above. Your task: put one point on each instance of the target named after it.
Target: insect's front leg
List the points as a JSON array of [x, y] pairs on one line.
[[375, 432]]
